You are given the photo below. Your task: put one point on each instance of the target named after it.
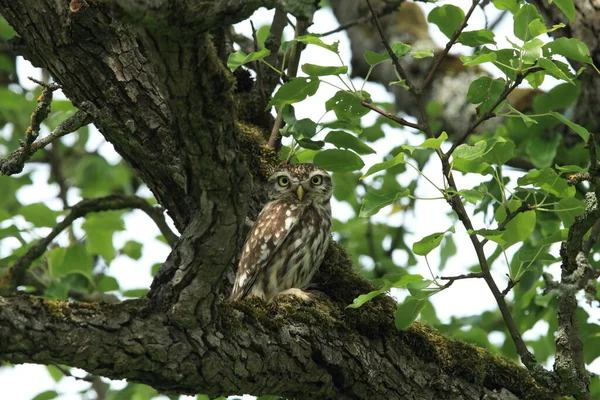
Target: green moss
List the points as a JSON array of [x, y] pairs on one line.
[[472, 363], [58, 308], [261, 159]]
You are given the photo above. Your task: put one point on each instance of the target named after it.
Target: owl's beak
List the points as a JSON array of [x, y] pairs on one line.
[[300, 192]]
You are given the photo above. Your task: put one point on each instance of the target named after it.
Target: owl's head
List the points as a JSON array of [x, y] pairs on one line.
[[305, 183]]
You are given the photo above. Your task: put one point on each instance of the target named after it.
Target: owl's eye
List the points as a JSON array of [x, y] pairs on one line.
[[316, 180], [283, 181]]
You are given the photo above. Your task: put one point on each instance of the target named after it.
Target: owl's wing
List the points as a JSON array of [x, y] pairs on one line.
[[273, 225]]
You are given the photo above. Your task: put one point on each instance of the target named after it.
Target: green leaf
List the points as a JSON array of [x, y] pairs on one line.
[[107, 284], [570, 48], [39, 214], [532, 50], [447, 17], [408, 311], [363, 298], [57, 290], [498, 151], [522, 19], [321, 70], [485, 91], [100, 228], [311, 39], [55, 373], [305, 128], [537, 27], [401, 49], [399, 159], [422, 53], [568, 208], [471, 195], [578, 129], [551, 67], [47, 395], [346, 140], [239, 58], [558, 98], [511, 5], [567, 7], [470, 152], [347, 105], [294, 91], [6, 31], [132, 249], [135, 293], [536, 79], [429, 242], [549, 181], [476, 38], [431, 143], [373, 58], [542, 150], [478, 58], [558, 236], [75, 259], [311, 144], [519, 228], [373, 202], [339, 160], [447, 250]]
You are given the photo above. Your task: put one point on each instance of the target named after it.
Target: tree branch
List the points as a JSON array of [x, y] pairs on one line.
[[143, 345], [13, 164], [389, 8], [440, 56], [391, 116], [15, 275], [292, 71]]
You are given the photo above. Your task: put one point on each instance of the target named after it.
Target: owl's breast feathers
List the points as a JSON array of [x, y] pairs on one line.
[[283, 249]]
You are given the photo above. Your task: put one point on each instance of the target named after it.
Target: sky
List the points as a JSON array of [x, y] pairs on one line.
[[466, 297]]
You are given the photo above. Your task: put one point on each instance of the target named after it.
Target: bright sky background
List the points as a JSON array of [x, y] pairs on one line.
[[466, 297]]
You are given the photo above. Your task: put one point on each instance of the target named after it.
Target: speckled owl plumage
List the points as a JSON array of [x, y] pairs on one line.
[[288, 241]]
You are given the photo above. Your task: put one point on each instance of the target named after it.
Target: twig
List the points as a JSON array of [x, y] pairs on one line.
[[272, 43], [501, 226], [292, 71], [39, 114], [388, 48], [511, 284], [16, 273], [66, 372], [388, 9], [391, 116], [452, 279], [440, 56], [13, 164], [489, 113]]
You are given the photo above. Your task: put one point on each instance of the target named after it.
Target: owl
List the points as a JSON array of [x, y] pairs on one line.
[[287, 243]]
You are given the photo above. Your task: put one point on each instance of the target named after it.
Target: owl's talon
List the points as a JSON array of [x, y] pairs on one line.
[[299, 294]]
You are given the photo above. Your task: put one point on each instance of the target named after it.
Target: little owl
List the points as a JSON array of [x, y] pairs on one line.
[[287, 243]]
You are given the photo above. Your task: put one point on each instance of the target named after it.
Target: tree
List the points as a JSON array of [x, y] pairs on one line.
[[161, 82]]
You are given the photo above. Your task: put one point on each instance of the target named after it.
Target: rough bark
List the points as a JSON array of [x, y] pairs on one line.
[[159, 92]]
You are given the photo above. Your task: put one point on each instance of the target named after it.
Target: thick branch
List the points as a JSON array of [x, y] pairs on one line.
[[257, 349]]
